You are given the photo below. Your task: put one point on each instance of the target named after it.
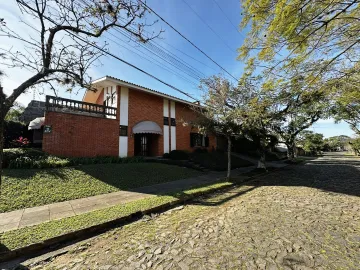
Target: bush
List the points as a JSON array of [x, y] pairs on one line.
[[12, 131], [14, 153], [38, 163], [166, 155], [178, 155], [200, 150], [217, 161], [27, 158]]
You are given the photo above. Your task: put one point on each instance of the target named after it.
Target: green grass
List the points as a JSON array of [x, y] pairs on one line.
[[217, 161], [35, 187], [30, 235]]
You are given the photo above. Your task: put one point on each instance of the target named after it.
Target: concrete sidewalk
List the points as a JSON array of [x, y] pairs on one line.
[[36, 215]]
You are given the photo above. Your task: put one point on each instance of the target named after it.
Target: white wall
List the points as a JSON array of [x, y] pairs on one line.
[[124, 120], [166, 128], [172, 129]]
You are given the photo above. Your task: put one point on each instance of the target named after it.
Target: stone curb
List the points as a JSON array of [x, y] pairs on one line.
[[57, 242]]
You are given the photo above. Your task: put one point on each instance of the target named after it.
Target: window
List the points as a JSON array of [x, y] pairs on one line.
[[173, 122], [198, 140], [123, 131], [166, 120]]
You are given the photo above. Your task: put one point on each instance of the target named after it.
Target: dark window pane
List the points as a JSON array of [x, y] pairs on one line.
[[123, 131], [166, 121], [173, 122]]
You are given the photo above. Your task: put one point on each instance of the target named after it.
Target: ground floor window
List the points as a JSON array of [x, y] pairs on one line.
[[199, 140]]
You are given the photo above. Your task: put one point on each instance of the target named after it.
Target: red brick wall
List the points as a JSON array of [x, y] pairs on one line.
[[145, 107], [184, 117], [81, 136]]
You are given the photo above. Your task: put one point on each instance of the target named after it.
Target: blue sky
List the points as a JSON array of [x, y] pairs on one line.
[[221, 46]]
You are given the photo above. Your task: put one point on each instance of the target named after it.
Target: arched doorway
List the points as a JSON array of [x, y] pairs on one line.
[[147, 138]]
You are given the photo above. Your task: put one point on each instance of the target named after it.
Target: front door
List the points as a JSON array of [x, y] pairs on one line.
[[142, 144]]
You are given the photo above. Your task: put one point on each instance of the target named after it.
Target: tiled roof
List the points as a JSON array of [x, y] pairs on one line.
[[35, 109], [151, 90]]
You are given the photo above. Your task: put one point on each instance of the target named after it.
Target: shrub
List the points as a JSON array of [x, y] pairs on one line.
[[217, 161], [200, 150], [12, 131], [178, 155], [166, 155], [38, 163], [14, 153], [23, 158]]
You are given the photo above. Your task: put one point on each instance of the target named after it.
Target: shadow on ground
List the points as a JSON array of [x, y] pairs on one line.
[[335, 174]]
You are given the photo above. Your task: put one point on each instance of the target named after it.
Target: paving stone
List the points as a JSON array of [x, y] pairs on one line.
[[301, 217]]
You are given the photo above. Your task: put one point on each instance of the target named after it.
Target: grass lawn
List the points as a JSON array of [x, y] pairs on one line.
[[30, 235], [24, 188], [217, 161]]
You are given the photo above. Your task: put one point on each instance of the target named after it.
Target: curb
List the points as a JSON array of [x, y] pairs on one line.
[[64, 240]]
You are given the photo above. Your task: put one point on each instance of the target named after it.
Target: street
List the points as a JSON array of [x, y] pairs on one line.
[[301, 217]]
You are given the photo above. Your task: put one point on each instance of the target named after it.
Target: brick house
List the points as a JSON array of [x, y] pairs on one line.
[[121, 119]]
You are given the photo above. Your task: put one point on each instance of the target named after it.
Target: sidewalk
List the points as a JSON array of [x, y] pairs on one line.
[[36, 215]]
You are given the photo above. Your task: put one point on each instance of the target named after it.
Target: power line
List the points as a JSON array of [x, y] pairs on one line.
[[114, 56], [153, 61], [204, 22], [187, 39], [172, 60], [129, 64], [184, 53], [237, 30]]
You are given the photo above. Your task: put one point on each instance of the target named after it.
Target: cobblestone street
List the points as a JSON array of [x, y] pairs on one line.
[[300, 217]]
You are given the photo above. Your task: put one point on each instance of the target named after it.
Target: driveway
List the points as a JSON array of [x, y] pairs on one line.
[[302, 217]]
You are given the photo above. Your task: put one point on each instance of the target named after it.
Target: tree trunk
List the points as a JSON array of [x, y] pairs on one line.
[[295, 151], [229, 158], [261, 162], [290, 151]]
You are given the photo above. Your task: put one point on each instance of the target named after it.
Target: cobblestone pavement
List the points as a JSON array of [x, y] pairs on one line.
[[302, 217]]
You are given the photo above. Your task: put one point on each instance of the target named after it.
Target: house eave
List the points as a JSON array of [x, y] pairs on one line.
[[112, 80]]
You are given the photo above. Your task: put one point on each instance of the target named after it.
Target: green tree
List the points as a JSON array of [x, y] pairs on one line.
[[299, 107], [217, 113], [284, 34], [244, 109], [346, 105], [311, 142], [318, 38], [15, 112], [63, 51], [355, 145], [336, 143]]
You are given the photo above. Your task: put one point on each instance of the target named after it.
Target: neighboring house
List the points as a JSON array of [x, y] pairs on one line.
[[121, 119], [33, 110], [33, 117]]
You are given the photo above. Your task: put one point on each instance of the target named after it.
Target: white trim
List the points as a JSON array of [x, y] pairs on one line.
[[166, 139], [172, 129], [166, 127], [172, 109], [110, 91], [166, 108], [173, 138], [105, 93], [124, 120], [107, 79], [123, 146], [124, 106]]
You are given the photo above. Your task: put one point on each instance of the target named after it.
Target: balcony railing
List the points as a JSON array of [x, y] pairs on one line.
[[74, 106]]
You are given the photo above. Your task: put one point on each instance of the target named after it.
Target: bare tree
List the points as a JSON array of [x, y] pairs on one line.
[[66, 44]]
